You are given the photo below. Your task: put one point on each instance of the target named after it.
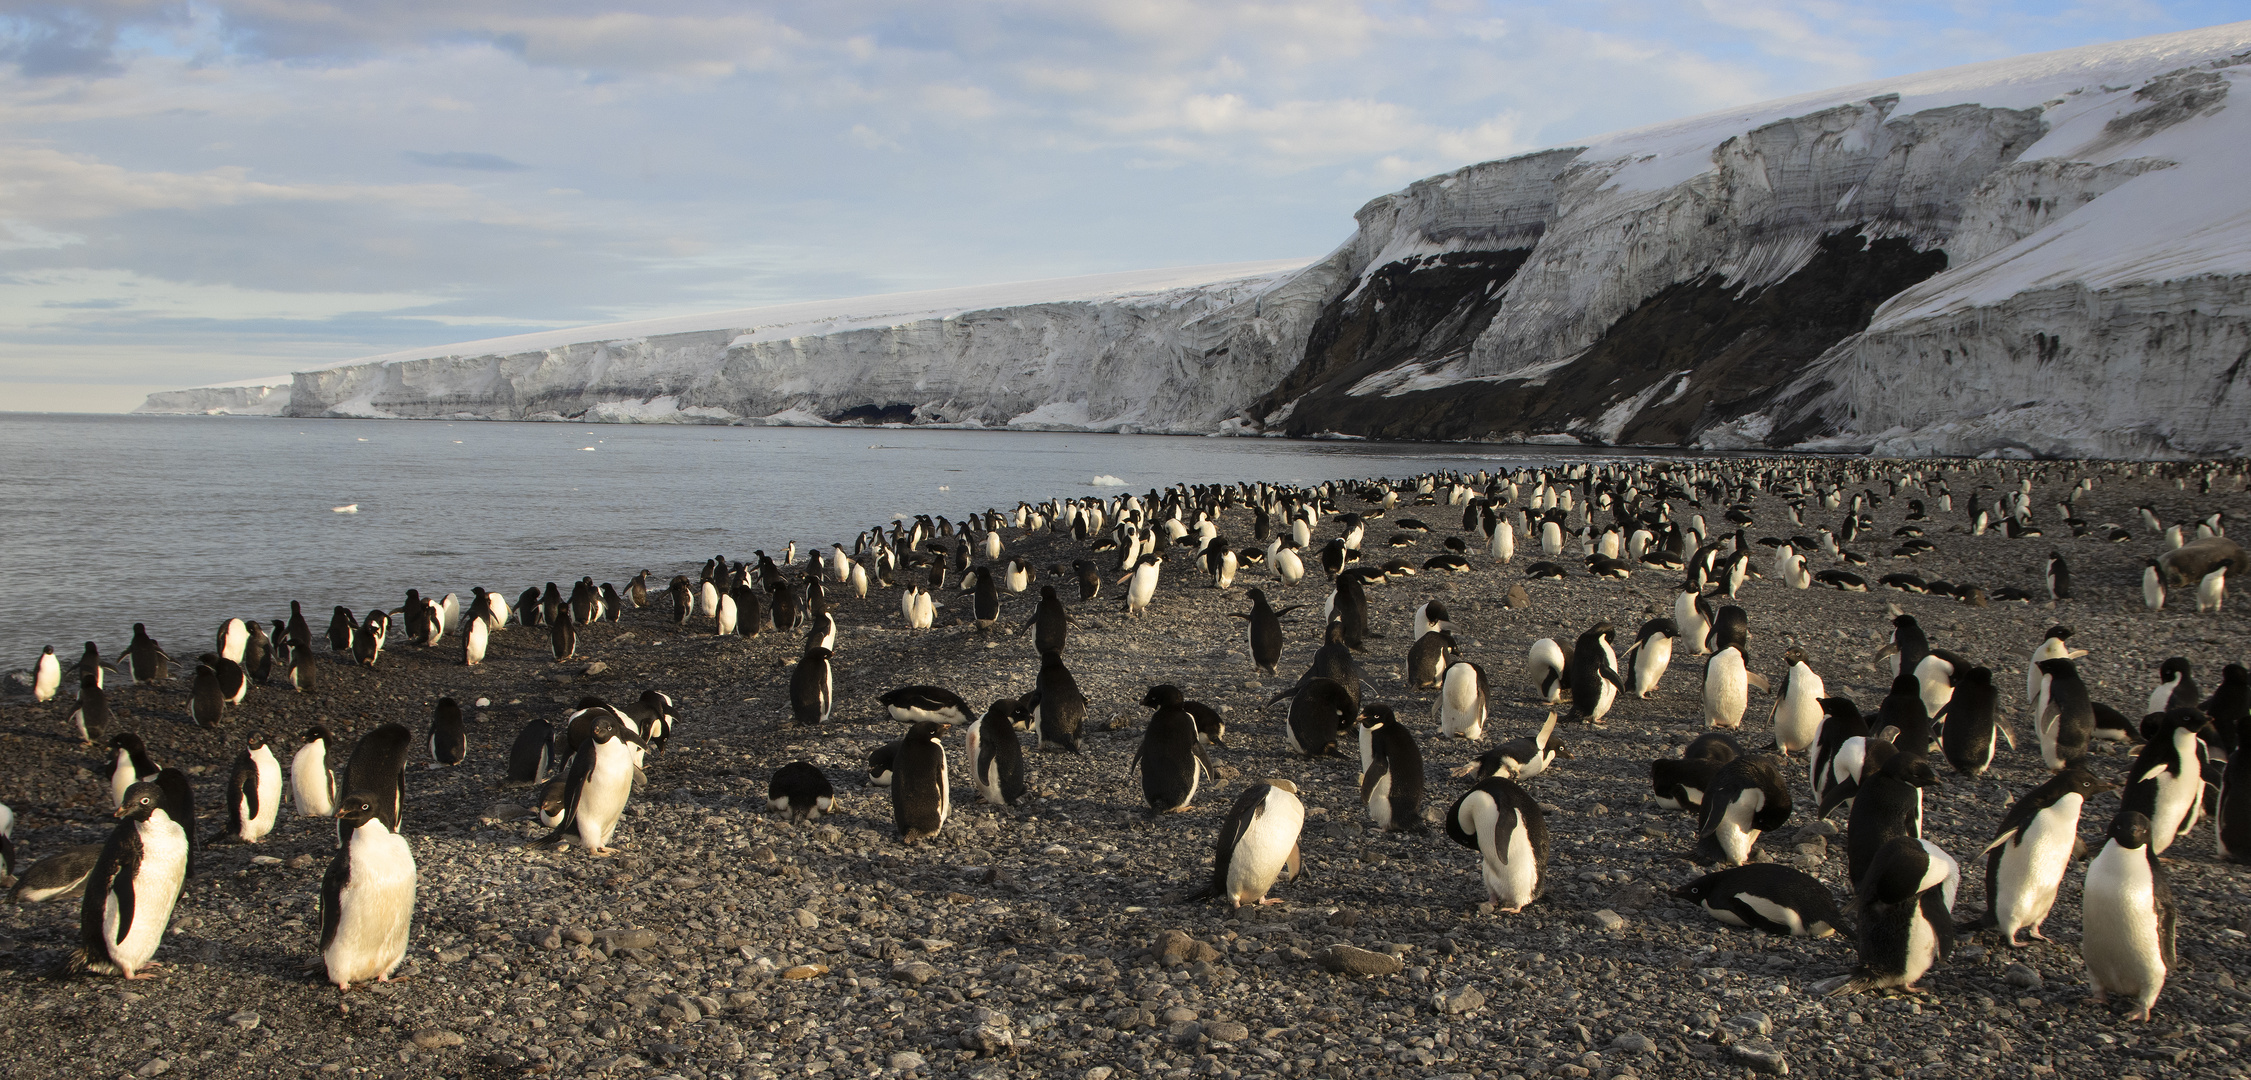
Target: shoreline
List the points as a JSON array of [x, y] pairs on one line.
[[1047, 913]]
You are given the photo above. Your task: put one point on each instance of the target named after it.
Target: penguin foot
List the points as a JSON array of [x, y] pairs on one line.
[[601, 852]]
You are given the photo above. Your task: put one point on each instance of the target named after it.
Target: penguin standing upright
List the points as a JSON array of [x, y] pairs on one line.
[[1504, 824], [1051, 625], [600, 783], [1462, 701], [921, 790], [1264, 631], [476, 640], [1649, 655], [1972, 722], [1769, 898], [2025, 863], [207, 700], [2054, 646], [1391, 773], [129, 765], [89, 719], [1061, 707], [449, 736], [1171, 758], [342, 627], [2231, 820], [2062, 715], [1594, 674], [1890, 805], [1727, 684], [311, 783], [2126, 917], [1428, 659], [46, 676], [2059, 577], [366, 897], [1903, 909], [2167, 781], [996, 759], [532, 753], [367, 641], [253, 794], [146, 662], [562, 635], [130, 893], [1747, 797], [2176, 686], [812, 688], [1797, 707], [1547, 671], [802, 790], [1143, 579], [1257, 845], [377, 769], [2153, 585], [1319, 712]]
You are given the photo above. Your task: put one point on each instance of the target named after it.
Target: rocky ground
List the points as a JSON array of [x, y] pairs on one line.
[[1050, 939]]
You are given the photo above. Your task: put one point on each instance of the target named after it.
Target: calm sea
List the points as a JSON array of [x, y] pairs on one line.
[[181, 522]]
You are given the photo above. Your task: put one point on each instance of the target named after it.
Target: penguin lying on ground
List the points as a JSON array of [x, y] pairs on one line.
[[1521, 758], [800, 789], [1767, 897], [1680, 783]]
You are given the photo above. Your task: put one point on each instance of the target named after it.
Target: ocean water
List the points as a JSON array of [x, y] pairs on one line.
[[182, 522]]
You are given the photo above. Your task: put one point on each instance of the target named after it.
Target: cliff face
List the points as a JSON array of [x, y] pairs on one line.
[[260, 398], [2044, 255]]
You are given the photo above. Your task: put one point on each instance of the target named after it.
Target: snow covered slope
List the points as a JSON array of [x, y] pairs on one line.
[[2049, 254]]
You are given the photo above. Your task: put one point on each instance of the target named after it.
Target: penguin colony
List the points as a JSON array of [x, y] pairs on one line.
[[1764, 751]]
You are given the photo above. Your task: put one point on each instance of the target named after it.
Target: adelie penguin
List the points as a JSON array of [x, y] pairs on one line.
[[1428, 659], [1257, 845], [2025, 863], [1462, 704], [449, 736], [812, 688], [1519, 759], [1503, 823], [1769, 898], [1649, 655], [1391, 771], [312, 785], [146, 662], [801, 790], [1319, 713], [1059, 706], [996, 759], [377, 769], [60, 876], [600, 783], [1972, 724], [2167, 781], [89, 719], [921, 790], [133, 886], [366, 897], [562, 636], [1264, 631], [367, 641], [2127, 918], [129, 764], [2231, 820], [207, 700], [1680, 783], [1594, 674], [916, 704], [1747, 797], [531, 756], [342, 627], [253, 794], [1797, 706], [1890, 805], [2063, 715], [1903, 909], [1171, 758], [1143, 582], [1051, 625]]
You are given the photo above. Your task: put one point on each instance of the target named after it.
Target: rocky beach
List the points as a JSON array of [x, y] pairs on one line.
[[1056, 938]]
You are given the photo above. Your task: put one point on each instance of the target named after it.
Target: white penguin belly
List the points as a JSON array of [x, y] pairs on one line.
[[1512, 877], [1259, 856], [602, 799], [2032, 867], [164, 864], [1779, 914], [1650, 663], [2118, 913], [256, 826], [1726, 692], [1922, 946], [1379, 802], [121, 776], [375, 909], [1735, 834]]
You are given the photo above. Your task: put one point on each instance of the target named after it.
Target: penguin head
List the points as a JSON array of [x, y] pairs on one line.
[[317, 733], [2130, 829], [929, 731], [355, 811], [1375, 715], [1163, 696], [1793, 656], [2174, 669], [141, 800], [2078, 780], [1913, 770]]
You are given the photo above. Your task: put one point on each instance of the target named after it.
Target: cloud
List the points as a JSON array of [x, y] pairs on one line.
[[458, 159]]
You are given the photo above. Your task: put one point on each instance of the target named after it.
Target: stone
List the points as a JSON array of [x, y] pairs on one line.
[[633, 938], [551, 940], [1610, 920], [1348, 960], [1633, 1042], [1178, 1014], [682, 1008], [905, 1060], [155, 1067], [1099, 1072], [914, 973], [1458, 1000], [811, 971], [505, 811], [988, 1033], [1175, 947], [597, 668], [246, 1020], [578, 935], [1226, 1031], [1759, 1055], [805, 919], [436, 1038], [1751, 1024], [2022, 976]]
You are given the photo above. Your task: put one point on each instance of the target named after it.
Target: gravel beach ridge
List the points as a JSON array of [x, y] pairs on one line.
[[1053, 938]]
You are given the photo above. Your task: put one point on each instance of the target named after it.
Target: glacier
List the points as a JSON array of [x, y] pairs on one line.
[[2047, 255]]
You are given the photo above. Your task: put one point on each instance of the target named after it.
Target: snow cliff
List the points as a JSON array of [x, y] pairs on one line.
[[2044, 255]]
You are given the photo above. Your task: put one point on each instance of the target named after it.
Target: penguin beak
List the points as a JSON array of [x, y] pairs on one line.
[[2103, 786]]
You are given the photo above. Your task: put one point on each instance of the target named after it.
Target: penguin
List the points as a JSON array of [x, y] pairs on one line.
[[1908, 644], [1061, 708], [1510, 833], [311, 784], [1935, 678], [60, 876], [921, 791], [562, 635], [1694, 615], [129, 765], [683, 600], [1680, 783], [1972, 722], [1797, 707], [599, 785], [253, 794], [2025, 863], [1890, 805], [2231, 820], [207, 701], [995, 758], [2176, 686], [46, 676], [2059, 577], [2167, 782], [1431, 616], [1428, 659], [653, 713], [1901, 720], [2062, 715], [367, 641], [1391, 772], [1727, 686], [920, 610], [2052, 647], [1768, 898], [146, 662], [1839, 756], [91, 666], [476, 640], [802, 790], [1143, 578], [377, 769], [2229, 707], [530, 757], [232, 639], [1462, 699], [1903, 911], [812, 688], [1594, 674], [2211, 591], [449, 737], [1051, 625], [1521, 758], [90, 717], [1649, 655], [881, 762], [1090, 581], [916, 704], [342, 627], [1319, 712], [366, 897], [1747, 797], [1257, 845], [2127, 918], [1171, 757], [1349, 605], [1547, 671], [130, 892], [1265, 631], [2153, 586]]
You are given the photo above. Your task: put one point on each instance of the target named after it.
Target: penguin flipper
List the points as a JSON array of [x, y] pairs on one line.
[[121, 885], [332, 886]]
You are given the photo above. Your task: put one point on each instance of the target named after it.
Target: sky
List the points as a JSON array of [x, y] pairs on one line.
[[203, 192]]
